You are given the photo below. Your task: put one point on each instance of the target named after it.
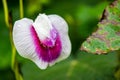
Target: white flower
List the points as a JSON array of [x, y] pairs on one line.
[[44, 41]]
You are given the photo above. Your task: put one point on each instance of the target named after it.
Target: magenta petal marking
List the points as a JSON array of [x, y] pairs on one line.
[[51, 41], [44, 51]]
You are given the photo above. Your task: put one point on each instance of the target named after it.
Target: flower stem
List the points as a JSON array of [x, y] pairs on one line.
[[8, 20], [6, 12], [21, 8]]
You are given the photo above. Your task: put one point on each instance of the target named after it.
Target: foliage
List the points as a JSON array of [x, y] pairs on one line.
[[83, 67], [107, 36]]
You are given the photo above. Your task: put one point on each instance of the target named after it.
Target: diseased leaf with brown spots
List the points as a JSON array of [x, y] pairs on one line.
[[107, 36]]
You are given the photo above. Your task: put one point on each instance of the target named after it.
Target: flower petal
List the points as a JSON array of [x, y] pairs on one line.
[[42, 26], [62, 28], [24, 43], [21, 36]]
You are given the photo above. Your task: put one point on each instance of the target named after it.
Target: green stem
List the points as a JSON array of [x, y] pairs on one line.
[[8, 20], [6, 12], [21, 8]]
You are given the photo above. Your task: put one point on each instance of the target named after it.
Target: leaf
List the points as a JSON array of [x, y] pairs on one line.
[[107, 36], [84, 67]]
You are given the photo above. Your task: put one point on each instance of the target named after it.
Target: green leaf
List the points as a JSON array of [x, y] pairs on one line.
[[107, 36], [84, 67]]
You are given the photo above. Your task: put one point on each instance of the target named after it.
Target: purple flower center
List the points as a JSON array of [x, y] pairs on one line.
[[49, 49], [50, 42]]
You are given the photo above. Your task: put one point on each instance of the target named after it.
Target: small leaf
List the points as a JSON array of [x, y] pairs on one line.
[[107, 36]]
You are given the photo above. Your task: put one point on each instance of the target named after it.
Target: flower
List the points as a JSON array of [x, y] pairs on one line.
[[44, 41]]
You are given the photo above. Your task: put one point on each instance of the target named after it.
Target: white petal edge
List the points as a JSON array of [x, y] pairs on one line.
[[60, 24], [23, 42]]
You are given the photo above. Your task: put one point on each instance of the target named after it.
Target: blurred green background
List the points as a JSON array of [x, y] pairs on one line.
[[82, 17]]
